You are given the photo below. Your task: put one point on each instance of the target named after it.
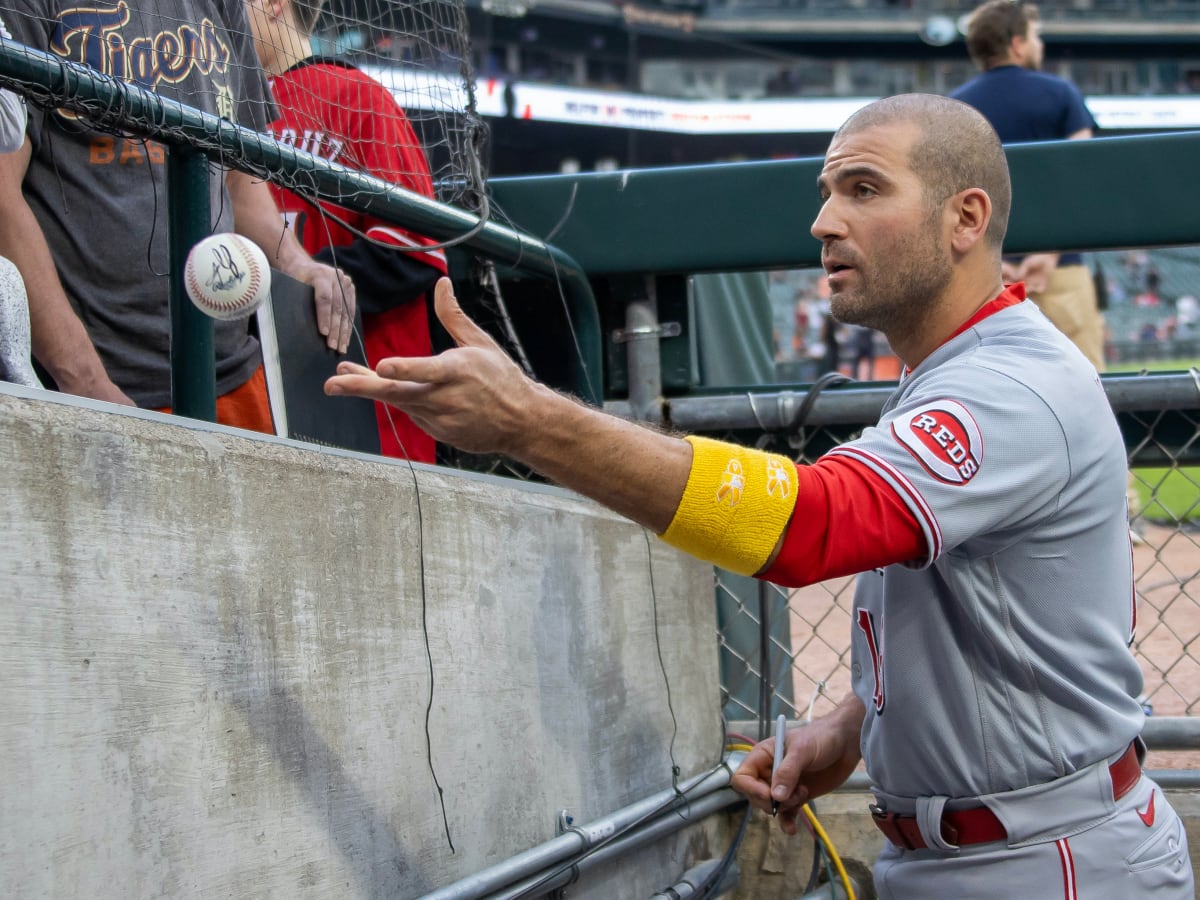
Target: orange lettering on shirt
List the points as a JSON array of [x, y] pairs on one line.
[[131, 151], [102, 150]]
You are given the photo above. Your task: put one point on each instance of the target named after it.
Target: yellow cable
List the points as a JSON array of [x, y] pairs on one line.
[[833, 854], [812, 819]]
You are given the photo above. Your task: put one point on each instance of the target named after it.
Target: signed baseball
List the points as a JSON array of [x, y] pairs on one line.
[[227, 276]]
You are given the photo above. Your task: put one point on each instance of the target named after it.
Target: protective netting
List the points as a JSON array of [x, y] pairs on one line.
[[202, 53]]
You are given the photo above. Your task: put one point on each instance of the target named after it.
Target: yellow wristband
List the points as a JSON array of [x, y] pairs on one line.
[[736, 505]]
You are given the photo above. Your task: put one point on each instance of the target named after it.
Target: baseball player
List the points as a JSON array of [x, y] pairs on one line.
[[329, 108], [994, 692]]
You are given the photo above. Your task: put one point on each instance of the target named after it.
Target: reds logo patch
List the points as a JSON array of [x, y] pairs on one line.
[[945, 439]]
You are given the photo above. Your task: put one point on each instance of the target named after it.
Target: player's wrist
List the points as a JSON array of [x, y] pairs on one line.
[[532, 410], [736, 505]]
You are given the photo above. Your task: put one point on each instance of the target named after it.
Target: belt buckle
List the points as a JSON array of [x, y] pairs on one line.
[[886, 822]]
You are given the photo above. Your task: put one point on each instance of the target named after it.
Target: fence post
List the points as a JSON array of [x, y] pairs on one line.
[[193, 362]]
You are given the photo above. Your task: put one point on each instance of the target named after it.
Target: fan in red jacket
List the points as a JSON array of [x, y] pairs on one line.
[[330, 109]]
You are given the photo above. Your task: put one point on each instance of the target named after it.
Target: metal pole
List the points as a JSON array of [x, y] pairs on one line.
[[665, 824], [642, 352], [193, 376], [853, 404], [536, 860], [1172, 733]]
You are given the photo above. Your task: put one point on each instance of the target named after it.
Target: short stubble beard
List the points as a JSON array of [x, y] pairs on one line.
[[897, 295]]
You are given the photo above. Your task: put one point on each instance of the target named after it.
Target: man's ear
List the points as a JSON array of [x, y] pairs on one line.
[[1018, 47], [972, 211]]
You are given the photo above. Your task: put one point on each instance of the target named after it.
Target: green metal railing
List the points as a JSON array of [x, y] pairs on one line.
[[1067, 195], [193, 376], [114, 104]]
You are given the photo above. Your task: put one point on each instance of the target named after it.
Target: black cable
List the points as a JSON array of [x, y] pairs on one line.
[[796, 424], [814, 391], [662, 665], [764, 661], [412, 471], [707, 888]]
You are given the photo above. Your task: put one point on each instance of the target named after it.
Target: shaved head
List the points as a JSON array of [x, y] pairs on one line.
[[956, 149]]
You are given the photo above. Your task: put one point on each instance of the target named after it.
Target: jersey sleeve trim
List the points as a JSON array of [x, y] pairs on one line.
[[848, 520], [906, 491]]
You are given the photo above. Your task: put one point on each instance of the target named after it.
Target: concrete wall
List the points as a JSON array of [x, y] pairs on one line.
[[213, 653]]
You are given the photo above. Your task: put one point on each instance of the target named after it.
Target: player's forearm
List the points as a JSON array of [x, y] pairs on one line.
[[630, 468]]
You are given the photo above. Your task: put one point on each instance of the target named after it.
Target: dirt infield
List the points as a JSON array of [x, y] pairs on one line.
[[1166, 566]]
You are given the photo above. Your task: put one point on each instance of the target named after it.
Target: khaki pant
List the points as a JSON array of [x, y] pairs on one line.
[[1070, 303]]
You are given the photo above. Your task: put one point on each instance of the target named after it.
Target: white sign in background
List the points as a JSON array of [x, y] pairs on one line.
[[548, 103]]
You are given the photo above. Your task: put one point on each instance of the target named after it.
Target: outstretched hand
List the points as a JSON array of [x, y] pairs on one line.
[[473, 396], [818, 758]]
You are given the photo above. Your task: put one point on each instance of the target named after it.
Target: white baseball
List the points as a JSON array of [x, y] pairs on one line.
[[227, 276]]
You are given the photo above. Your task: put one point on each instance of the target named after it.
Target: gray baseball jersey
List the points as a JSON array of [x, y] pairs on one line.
[[999, 665], [1001, 660]]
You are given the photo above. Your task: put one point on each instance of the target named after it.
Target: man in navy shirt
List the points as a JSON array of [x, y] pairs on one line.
[[1025, 104]]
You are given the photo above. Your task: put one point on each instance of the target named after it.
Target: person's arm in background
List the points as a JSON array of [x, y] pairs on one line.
[[12, 120], [60, 341], [1036, 268], [256, 216], [13, 116]]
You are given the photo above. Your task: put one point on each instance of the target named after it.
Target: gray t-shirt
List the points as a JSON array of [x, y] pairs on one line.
[[1002, 659], [12, 112], [101, 198], [12, 121]]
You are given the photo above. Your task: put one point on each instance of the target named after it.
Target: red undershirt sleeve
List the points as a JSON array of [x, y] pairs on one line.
[[847, 520]]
